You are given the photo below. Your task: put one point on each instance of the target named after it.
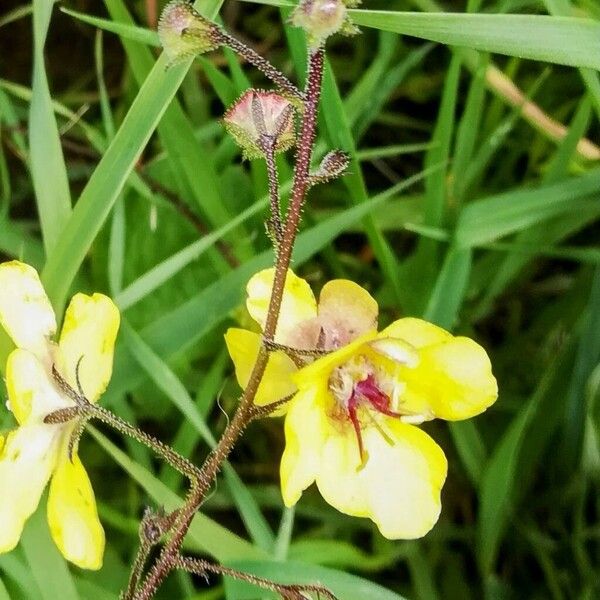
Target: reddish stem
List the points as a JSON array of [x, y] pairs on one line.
[[169, 555]]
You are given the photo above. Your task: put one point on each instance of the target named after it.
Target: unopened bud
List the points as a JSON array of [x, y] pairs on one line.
[[333, 165], [184, 32], [261, 122], [322, 18], [155, 524]]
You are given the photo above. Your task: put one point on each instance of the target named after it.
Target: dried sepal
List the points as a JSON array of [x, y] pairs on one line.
[[321, 19], [184, 32], [260, 122], [333, 165]]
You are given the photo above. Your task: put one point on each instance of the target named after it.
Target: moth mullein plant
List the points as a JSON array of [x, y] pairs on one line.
[[37, 451], [353, 398], [358, 398]]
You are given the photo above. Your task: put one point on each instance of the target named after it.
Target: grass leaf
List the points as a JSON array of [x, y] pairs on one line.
[[562, 40]]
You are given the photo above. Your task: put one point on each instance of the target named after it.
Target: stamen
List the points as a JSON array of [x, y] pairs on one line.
[[352, 413], [379, 400], [380, 429]]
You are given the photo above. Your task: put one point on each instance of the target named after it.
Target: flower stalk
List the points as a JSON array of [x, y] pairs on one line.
[[85, 410], [289, 592], [169, 557], [262, 64]]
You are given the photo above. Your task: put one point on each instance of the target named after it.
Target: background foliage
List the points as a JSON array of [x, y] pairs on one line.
[[467, 202]]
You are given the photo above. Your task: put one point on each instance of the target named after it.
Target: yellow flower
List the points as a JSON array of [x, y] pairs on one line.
[[36, 452], [351, 426]]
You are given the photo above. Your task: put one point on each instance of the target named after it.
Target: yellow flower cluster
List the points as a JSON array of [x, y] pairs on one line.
[[351, 426], [37, 452]]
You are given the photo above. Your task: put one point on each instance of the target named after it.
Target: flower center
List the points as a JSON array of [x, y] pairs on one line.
[[359, 384]]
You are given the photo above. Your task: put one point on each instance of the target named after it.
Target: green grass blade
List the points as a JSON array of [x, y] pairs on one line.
[[567, 149], [470, 447], [158, 275], [16, 571], [89, 590], [125, 30], [467, 133], [3, 591], [343, 585], [435, 184], [587, 359], [192, 164], [204, 535], [48, 171], [491, 218], [562, 40], [48, 567], [450, 288], [164, 378], [544, 235], [563, 8], [497, 488], [187, 437], [10, 118], [422, 266], [340, 134], [109, 177]]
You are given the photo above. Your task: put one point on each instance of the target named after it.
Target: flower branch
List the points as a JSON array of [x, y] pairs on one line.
[[85, 410], [287, 591], [168, 557], [352, 396], [262, 64]]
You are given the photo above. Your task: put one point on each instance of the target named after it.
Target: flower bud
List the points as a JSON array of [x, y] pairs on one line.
[[333, 165], [184, 32], [322, 18], [261, 121]]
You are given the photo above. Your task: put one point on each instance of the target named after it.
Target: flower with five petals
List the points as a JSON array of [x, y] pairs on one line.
[[36, 451], [352, 424]]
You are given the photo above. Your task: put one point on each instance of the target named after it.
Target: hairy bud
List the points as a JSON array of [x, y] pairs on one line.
[[322, 18], [333, 165], [260, 122], [184, 32], [155, 524]]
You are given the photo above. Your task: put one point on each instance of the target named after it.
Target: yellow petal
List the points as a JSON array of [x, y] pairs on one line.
[[25, 311], [72, 514], [306, 428], [298, 303], [453, 378], [26, 463], [277, 382], [399, 485], [89, 333], [31, 394], [417, 332], [396, 350], [346, 311]]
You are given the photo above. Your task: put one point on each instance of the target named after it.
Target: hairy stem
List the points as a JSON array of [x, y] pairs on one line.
[[262, 64], [175, 460], [293, 591], [87, 410], [169, 555], [275, 220], [137, 569]]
